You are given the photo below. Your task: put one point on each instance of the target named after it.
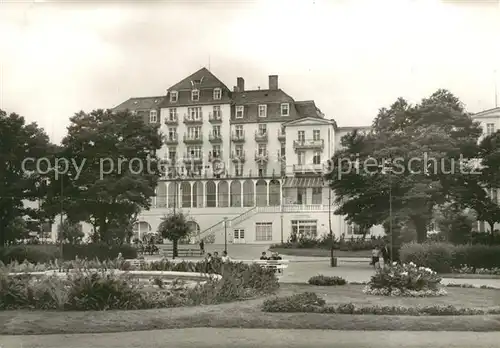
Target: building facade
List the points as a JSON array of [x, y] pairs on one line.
[[490, 123], [245, 165]]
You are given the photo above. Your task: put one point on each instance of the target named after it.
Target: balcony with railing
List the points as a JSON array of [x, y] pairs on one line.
[[310, 168], [238, 137], [261, 137], [193, 138], [317, 144], [215, 117], [193, 119], [238, 157], [196, 157], [281, 135], [261, 156], [215, 156], [171, 120], [171, 139], [215, 138]]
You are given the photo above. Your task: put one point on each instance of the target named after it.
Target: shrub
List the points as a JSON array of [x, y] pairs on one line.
[[322, 280], [31, 253], [44, 253], [311, 303], [324, 242], [444, 257], [98, 290], [98, 251], [405, 280], [302, 302]]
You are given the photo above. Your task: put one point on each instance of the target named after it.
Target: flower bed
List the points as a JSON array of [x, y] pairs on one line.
[[322, 280], [444, 257], [308, 302], [465, 269], [405, 280], [92, 285]]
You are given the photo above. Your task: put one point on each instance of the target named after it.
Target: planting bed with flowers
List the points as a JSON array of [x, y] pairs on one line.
[[94, 285], [405, 280]]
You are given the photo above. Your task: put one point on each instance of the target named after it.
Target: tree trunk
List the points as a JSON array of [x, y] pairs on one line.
[[174, 248], [420, 225], [2, 235], [492, 232]]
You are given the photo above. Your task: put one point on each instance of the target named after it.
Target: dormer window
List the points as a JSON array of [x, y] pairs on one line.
[[262, 110], [285, 109], [173, 97], [239, 111], [153, 116], [217, 94], [195, 95]]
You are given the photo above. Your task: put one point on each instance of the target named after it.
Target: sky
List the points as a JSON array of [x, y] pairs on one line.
[[350, 57]]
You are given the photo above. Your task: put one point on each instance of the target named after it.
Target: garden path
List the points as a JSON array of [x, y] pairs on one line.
[[201, 337]]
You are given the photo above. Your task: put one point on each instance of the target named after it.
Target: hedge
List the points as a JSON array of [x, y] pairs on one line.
[[44, 253], [444, 257]]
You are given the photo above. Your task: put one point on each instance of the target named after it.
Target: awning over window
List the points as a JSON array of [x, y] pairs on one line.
[[303, 182]]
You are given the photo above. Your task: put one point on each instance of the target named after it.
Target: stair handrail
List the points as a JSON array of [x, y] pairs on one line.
[[242, 214], [208, 229]]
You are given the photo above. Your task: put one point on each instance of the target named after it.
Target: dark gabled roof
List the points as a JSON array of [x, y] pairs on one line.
[[261, 96], [142, 103], [206, 78], [308, 108]]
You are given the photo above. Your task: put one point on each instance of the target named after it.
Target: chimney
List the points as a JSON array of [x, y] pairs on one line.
[[273, 82], [240, 82]]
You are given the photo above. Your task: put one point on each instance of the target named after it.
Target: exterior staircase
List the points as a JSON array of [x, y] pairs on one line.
[[232, 223]]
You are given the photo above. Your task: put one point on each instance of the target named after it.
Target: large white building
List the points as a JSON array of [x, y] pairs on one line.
[[254, 157], [490, 123], [245, 162]]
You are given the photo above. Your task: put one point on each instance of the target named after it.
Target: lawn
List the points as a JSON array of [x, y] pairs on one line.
[[247, 314], [318, 252], [457, 297]]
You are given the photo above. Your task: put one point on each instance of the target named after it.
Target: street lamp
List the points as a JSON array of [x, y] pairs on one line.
[[225, 234]]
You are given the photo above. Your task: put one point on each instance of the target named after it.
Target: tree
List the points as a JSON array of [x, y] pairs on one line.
[[454, 223], [21, 145], [70, 232], [413, 158], [174, 227], [115, 170]]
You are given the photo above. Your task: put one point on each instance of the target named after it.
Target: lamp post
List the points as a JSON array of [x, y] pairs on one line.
[[390, 214], [225, 234], [60, 232]]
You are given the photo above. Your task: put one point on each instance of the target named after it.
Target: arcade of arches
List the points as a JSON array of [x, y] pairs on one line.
[[218, 193]]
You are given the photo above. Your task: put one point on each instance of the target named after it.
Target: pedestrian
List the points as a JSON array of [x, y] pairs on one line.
[[375, 257], [202, 247], [385, 254], [263, 256], [225, 257]]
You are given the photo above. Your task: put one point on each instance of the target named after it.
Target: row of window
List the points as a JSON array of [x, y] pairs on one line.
[[264, 230], [284, 110], [195, 113], [195, 95]]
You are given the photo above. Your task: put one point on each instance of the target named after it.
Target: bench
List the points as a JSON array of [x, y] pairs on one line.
[[182, 252], [136, 262], [279, 265], [148, 249]]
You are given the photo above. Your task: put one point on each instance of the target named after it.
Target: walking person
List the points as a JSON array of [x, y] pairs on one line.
[[386, 255], [376, 257], [202, 247]]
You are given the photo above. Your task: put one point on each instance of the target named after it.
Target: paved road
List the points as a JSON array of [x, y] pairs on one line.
[[231, 338]]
